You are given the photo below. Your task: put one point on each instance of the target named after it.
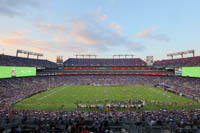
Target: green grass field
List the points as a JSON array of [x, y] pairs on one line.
[[66, 96]]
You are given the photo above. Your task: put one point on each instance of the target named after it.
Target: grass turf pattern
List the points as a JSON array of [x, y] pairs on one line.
[[64, 98]]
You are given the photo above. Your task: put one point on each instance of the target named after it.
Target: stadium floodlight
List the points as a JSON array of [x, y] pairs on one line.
[[86, 55], [28, 53], [182, 53], [125, 55]]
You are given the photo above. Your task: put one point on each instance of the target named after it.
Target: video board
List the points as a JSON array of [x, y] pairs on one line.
[[191, 71], [12, 71]]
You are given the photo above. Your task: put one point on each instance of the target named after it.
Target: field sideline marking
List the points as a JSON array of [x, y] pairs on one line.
[[50, 94]]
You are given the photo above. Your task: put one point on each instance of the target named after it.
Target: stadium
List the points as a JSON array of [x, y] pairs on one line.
[[99, 66], [119, 94]]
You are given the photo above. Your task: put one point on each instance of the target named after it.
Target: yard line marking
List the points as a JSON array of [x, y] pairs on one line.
[[51, 94]]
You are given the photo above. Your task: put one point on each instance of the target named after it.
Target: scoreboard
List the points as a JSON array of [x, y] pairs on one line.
[[59, 60]]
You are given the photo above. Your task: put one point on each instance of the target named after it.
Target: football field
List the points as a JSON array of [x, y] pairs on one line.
[[64, 98]]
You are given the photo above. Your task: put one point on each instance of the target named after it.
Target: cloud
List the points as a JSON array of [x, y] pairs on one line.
[[97, 36], [82, 33], [50, 28], [19, 40], [148, 35], [87, 33], [138, 47], [98, 15], [103, 17], [117, 27], [13, 8], [77, 35]]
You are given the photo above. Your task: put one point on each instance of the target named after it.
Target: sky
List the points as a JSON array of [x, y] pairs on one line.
[[101, 27]]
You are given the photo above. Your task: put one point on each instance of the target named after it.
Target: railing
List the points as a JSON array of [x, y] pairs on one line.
[[147, 74]]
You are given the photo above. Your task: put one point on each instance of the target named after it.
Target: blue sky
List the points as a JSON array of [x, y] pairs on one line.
[[102, 27]]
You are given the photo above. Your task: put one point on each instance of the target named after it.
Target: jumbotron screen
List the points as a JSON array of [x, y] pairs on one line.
[[10, 71], [191, 71]]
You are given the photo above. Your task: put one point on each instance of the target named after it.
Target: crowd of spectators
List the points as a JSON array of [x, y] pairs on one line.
[[181, 62], [104, 62], [15, 89], [6, 60]]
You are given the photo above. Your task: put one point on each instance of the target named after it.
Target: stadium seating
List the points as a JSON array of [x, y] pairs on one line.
[[6, 60], [185, 62], [16, 89], [104, 62]]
